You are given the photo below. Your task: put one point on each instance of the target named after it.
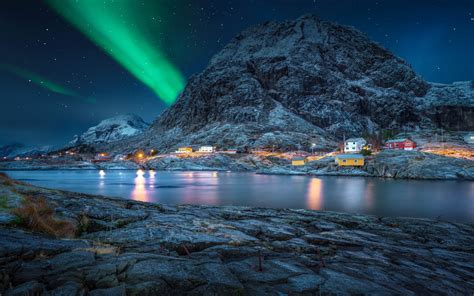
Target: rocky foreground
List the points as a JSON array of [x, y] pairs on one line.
[[134, 248]]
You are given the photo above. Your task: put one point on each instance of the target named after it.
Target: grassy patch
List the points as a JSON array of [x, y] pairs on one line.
[[419, 158], [7, 182], [35, 214], [3, 203], [83, 225]]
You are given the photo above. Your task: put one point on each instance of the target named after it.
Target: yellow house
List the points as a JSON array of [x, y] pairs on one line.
[[185, 150], [350, 160], [298, 161]]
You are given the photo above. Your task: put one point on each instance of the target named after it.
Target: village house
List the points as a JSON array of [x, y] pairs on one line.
[[400, 144], [469, 138], [298, 161], [101, 157], [354, 144], [207, 149], [350, 160], [230, 151], [184, 150]]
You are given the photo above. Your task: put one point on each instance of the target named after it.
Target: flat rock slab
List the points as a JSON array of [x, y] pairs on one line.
[[135, 248]]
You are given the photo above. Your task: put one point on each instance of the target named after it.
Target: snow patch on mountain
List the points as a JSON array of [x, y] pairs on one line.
[[112, 129]]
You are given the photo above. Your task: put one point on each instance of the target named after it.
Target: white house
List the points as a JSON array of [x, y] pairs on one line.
[[469, 138], [354, 144], [184, 150], [207, 149], [230, 151]]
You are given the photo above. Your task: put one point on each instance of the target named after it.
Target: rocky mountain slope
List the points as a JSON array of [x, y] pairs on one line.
[[450, 106], [283, 83], [305, 81], [112, 130]]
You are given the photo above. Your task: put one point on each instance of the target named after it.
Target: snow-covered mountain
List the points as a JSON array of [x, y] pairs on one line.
[[111, 130]]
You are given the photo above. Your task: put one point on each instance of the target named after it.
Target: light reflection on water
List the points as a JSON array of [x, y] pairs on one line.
[[451, 200], [314, 196], [139, 191], [369, 195]]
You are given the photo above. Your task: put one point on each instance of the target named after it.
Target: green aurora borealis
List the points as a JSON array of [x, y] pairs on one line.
[[117, 28], [45, 83]]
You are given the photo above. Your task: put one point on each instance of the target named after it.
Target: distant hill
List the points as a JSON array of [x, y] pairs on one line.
[[21, 150], [111, 130]]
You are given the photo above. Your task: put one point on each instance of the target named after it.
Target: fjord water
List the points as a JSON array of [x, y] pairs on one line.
[[447, 200]]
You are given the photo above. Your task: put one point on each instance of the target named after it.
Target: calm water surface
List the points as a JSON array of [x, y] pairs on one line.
[[450, 200]]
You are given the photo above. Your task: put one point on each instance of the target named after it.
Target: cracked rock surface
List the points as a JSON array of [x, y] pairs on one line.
[[136, 248]]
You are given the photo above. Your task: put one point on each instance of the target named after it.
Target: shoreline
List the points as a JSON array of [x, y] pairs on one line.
[[387, 164], [296, 173]]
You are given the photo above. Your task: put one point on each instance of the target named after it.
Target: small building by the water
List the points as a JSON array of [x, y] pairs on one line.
[[350, 160], [354, 144], [230, 151], [298, 161], [102, 157], [207, 149], [400, 144], [184, 150]]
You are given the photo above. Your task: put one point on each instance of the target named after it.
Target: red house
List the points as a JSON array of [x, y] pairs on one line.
[[101, 157], [400, 144]]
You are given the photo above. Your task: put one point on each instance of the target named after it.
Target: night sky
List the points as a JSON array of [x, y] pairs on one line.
[[57, 79]]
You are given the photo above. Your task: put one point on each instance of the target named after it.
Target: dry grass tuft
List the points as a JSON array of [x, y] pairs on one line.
[[5, 180], [83, 224], [103, 250], [35, 214]]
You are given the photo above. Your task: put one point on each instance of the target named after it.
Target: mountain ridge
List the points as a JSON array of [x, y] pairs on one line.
[[290, 83]]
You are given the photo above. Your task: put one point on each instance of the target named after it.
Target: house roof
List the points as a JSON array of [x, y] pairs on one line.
[[355, 140], [350, 156], [298, 158], [398, 140]]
